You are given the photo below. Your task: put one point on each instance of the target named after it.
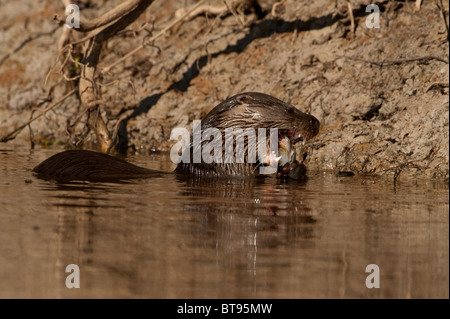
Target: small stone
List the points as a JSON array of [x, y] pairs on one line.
[[345, 174]]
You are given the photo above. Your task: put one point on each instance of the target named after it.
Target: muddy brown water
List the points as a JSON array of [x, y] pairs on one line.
[[172, 238]]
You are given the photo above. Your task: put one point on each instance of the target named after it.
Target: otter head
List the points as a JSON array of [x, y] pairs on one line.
[[255, 111]]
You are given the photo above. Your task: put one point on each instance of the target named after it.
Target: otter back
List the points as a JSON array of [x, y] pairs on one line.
[[89, 165]]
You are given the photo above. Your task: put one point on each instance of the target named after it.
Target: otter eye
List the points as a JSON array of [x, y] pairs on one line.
[[290, 110]]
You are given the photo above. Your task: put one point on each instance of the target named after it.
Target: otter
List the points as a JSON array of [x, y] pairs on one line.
[[249, 110]]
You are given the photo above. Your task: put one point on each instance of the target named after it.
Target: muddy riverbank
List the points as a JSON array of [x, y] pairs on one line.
[[381, 94]]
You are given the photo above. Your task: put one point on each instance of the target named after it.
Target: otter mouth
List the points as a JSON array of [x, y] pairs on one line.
[[286, 150], [286, 141]]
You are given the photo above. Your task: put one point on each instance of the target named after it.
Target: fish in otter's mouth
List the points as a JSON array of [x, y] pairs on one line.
[[286, 147], [256, 111]]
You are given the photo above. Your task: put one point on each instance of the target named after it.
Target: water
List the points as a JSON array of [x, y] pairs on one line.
[[173, 238]]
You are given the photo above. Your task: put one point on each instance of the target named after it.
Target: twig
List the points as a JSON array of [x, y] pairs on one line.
[[216, 10], [393, 62], [13, 134], [105, 19], [203, 9], [278, 8], [153, 38], [441, 84], [25, 42], [417, 5], [233, 12], [115, 133], [352, 19], [441, 9], [64, 38]]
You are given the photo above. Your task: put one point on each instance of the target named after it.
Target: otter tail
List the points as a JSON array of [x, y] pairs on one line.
[[89, 166]]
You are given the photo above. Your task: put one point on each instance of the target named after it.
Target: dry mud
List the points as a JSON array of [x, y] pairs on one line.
[[381, 94]]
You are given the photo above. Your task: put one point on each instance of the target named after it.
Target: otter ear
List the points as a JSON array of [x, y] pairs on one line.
[[241, 99], [251, 99]]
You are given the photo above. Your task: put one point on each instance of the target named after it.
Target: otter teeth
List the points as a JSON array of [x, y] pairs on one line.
[[277, 159], [274, 158]]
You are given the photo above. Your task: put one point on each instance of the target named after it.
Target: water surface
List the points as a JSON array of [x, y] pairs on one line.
[[169, 237]]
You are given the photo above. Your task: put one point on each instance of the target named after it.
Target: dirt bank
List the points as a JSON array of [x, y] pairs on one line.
[[381, 94]]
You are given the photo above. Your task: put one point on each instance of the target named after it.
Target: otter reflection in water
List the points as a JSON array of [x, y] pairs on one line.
[[244, 111]]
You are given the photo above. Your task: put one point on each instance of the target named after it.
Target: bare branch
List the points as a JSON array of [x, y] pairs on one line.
[[150, 40], [87, 86], [440, 5], [394, 62], [25, 42], [109, 17], [417, 5], [199, 10], [352, 18], [437, 84], [64, 39], [13, 134]]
